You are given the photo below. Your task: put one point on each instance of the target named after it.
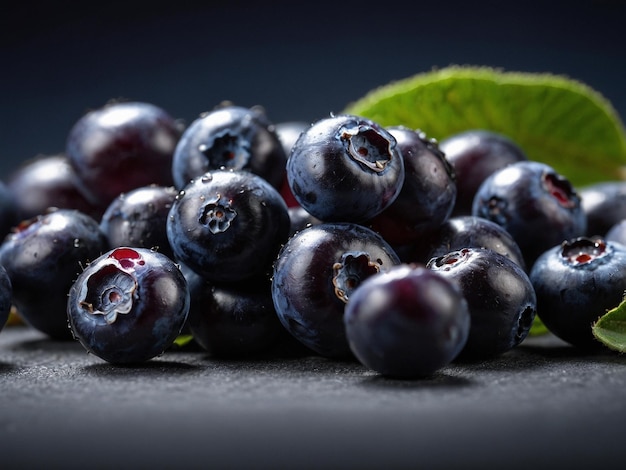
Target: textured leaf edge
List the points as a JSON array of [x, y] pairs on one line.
[[610, 328], [497, 75], [399, 103]]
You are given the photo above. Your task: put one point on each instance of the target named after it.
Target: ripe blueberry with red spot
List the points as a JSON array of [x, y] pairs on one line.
[[129, 305]]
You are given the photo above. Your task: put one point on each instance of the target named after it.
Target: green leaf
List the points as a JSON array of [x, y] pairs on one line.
[[555, 119], [538, 328], [610, 328], [183, 340]]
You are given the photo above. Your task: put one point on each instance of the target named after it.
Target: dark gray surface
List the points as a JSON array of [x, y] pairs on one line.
[[542, 405]]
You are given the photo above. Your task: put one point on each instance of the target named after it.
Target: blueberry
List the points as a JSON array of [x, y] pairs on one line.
[[288, 133], [475, 154], [500, 297], [42, 258], [139, 218], [468, 231], [428, 193], [345, 169], [300, 219], [576, 282], [407, 322], [6, 296], [617, 232], [128, 305], [314, 276], [122, 146], [228, 225], [233, 319], [48, 181], [535, 204], [231, 137], [605, 205]]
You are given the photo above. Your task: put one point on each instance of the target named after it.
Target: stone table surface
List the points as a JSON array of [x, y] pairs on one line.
[[541, 405]]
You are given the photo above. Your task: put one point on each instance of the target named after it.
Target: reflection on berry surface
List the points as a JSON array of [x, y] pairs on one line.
[[500, 298], [228, 225], [535, 204], [138, 218], [231, 137], [122, 146], [407, 322], [314, 276], [576, 282], [48, 181], [128, 305], [345, 169], [43, 256], [428, 193], [475, 154]]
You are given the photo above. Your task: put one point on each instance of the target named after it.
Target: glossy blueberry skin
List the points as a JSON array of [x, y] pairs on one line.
[[300, 219], [345, 168], [475, 154], [288, 133], [468, 231], [233, 319], [617, 233], [139, 218], [129, 305], [6, 296], [407, 322], [43, 258], [535, 204], [122, 146], [500, 297], [231, 137], [428, 194], [314, 275], [605, 205], [228, 225], [48, 181], [576, 282]]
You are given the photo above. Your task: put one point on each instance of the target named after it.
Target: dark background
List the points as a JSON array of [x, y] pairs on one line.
[[299, 60]]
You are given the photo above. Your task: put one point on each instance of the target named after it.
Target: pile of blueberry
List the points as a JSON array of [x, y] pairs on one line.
[[353, 240]]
